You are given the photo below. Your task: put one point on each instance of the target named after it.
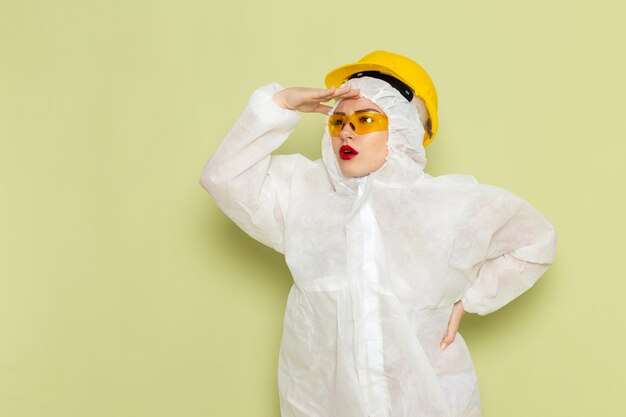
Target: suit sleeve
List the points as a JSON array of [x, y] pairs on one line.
[[502, 250], [248, 184]]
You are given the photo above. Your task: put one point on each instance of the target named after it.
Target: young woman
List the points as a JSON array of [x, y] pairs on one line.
[[385, 258]]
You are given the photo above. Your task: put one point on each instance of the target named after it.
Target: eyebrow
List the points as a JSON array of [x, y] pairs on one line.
[[359, 111]]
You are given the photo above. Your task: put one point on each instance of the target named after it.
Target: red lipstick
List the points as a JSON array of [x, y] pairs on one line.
[[347, 152]]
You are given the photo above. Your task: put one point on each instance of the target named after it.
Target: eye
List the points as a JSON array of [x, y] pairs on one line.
[[365, 119], [336, 121]]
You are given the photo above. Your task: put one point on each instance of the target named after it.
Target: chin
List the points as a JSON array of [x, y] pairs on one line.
[[354, 173]]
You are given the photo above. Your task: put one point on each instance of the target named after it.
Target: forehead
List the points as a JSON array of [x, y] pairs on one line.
[[351, 105]]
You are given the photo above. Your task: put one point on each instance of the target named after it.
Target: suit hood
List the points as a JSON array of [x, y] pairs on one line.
[[406, 158]]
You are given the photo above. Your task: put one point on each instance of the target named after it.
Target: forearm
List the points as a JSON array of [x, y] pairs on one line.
[[505, 249], [244, 179], [500, 281], [261, 128]]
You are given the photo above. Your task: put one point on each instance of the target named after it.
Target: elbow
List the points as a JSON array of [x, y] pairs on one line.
[[539, 247], [551, 243], [205, 181], [546, 247], [210, 179]]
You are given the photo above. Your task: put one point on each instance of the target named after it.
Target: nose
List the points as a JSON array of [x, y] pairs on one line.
[[347, 132]]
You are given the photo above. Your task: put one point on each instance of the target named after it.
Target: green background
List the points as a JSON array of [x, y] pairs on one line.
[[124, 291]]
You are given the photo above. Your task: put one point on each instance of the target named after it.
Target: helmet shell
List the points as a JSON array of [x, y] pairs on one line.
[[401, 67]]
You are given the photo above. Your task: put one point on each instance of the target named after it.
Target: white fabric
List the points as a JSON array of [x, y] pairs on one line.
[[377, 262]]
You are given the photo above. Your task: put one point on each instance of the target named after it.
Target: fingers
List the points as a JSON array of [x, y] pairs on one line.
[[347, 92], [324, 95], [453, 325], [311, 99], [447, 339], [336, 93], [322, 108]]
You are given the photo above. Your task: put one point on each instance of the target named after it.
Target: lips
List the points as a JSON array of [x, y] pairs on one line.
[[347, 152]]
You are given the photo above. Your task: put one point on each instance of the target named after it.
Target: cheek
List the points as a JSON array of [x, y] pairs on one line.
[[336, 144], [380, 146]]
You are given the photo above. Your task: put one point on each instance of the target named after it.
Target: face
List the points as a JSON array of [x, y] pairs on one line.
[[359, 154]]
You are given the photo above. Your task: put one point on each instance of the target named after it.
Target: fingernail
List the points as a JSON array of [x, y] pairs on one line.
[[443, 345]]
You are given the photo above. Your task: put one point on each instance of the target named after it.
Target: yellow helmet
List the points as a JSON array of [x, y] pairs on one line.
[[400, 67]]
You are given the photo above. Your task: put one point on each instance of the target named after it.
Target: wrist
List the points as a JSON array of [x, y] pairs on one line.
[[279, 99]]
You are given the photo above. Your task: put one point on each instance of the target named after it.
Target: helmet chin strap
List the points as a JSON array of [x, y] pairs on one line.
[[405, 90]]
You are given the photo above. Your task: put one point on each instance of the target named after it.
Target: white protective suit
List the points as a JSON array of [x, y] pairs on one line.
[[378, 262]]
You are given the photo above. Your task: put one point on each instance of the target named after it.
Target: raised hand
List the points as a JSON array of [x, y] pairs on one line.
[[310, 99]]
